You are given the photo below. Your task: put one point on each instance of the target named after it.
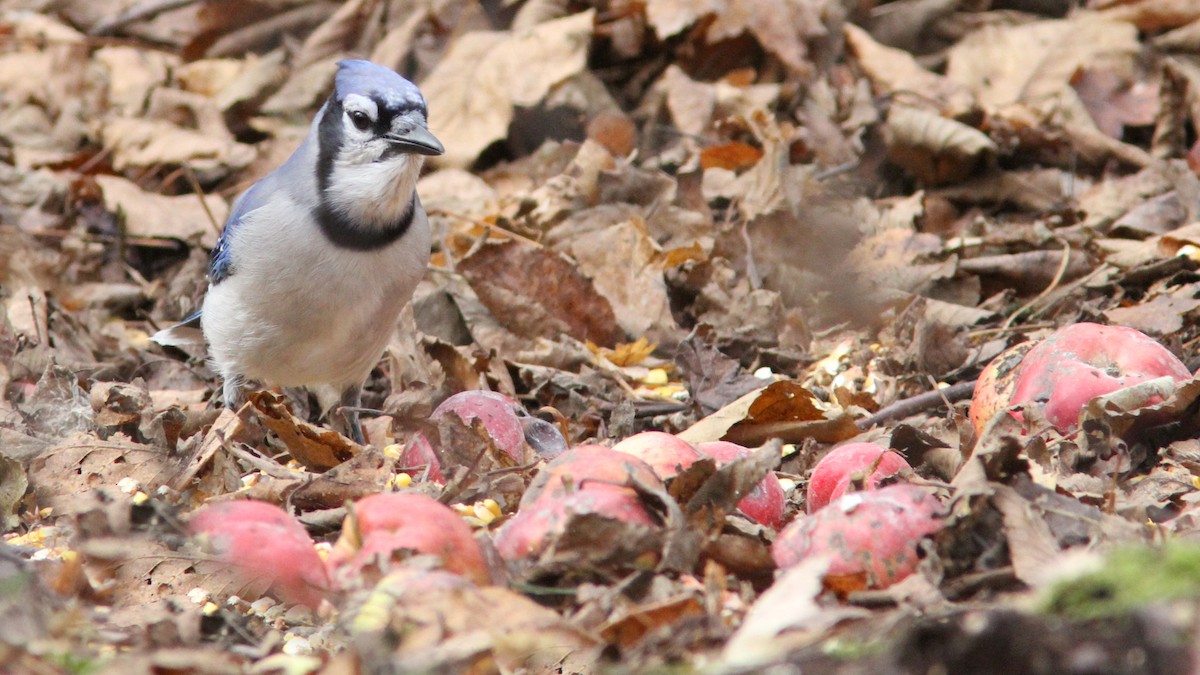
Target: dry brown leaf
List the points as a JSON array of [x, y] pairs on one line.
[[151, 215], [934, 149], [691, 103], [535, 292], [1154, 15], [893, 71], [66, 477], [789, 605], [133, 74], [1162, 315], [730, 156], [626, 267], [475, 86], [1032, 546], [339, 34], [434, 621], [670, 17], [315, 447], [138, 142], [1035, 62], [782, 410], [778, 25]]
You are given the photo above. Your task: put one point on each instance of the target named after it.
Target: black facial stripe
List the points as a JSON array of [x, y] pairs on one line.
[[346, 234], [329, 139], [383, 124]]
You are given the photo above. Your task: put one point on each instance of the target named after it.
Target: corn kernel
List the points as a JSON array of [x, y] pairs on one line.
[[393, 451], [657, 376]]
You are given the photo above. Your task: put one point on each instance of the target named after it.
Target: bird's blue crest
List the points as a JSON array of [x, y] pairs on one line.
[[356, 76]]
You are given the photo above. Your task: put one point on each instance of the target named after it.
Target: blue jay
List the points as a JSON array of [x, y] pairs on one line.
[[317, 259]]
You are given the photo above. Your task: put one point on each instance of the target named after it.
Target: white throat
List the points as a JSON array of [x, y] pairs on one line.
[[373, 193]]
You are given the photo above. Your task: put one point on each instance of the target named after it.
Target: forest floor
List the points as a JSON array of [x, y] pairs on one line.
[[761, 221]]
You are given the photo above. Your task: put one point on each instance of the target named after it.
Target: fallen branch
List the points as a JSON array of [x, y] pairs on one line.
[[915, 404]]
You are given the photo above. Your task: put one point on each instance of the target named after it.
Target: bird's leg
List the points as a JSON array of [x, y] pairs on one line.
[[350, 403], [234, 393]]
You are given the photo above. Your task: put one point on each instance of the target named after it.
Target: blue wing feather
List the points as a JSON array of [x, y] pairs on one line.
[[220, 260]]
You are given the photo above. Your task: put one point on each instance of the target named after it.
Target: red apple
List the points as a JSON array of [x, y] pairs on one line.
[[832, 475], [418, 460], [1069, 368], [871, 536], [590, 479], [265, 543], [383, 525], [588, 467], [767, 501], [497, 413], [666, 453]]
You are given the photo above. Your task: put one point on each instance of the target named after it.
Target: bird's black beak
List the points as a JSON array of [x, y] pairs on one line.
[[418, 140]]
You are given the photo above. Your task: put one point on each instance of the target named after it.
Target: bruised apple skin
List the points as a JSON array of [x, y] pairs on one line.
[[497, 413], [832, 475], [767, 502], [419, 461], [590, 479], [263, 542], [871, 536], [994, 389], [1069, 368], [666, 453], [382, 525]]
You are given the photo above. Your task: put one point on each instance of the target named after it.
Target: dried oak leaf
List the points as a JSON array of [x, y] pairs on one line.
[[784, 410], [314, 447], [475, 87], [534, 292]]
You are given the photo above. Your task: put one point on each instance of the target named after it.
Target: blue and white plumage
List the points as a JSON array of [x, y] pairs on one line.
[[317, 259]]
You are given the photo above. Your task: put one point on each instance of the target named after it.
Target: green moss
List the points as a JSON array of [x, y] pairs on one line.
[[1131, 577]]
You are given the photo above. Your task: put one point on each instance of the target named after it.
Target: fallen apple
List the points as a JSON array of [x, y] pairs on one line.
[[832, 475], [419, 461], [1070, 367], [265, 545], [590, 479], [497, 413], [871, 537], [666, 453], [767, 502], [382, 527]]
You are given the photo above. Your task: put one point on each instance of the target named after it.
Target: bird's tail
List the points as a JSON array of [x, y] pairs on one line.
[[185, 335]]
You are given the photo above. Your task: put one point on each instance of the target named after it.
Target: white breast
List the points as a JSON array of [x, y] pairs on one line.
[[302, 312]]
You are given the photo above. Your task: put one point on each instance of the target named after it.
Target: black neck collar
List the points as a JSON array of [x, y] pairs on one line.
[[349, 235]]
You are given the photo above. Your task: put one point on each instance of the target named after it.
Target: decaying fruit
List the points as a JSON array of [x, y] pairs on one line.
[[767, 502], [870, 536], [1071, 366], [666, 453], [589, 479], [383, 526], [832, 475], [266, 546]]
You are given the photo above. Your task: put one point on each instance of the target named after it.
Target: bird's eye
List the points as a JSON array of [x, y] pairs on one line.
[[360, 119]]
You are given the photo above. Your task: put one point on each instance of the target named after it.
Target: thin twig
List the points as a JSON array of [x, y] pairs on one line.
[[1058, 277], [915, 404], [489, 226], [196, 188]]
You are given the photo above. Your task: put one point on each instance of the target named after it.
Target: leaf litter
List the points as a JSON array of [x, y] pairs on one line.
[[726, 220]]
